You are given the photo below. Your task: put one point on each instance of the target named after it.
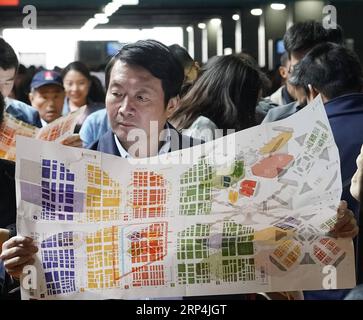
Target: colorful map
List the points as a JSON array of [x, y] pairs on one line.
[[249, 212]]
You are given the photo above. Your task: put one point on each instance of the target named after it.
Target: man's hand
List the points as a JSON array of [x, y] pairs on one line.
[[355, 187], [73, 140], [346, 225], [17, 252]]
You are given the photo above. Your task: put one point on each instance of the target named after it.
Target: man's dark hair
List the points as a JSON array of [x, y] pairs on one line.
[[2, 108], [303, 36], [156, 58], [284, 59], [8, 58], [331, 69]]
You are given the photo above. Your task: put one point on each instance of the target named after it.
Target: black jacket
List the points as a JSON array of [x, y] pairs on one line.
[[7, 193], [8, 217]]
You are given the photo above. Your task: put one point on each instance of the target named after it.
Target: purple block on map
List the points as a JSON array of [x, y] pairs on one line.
[[45, 173]]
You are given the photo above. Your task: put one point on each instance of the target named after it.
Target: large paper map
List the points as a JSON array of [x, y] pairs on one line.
[[246, 213]]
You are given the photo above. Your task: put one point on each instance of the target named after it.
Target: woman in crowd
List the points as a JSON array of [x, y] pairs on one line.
[[77, 82], [223, 97], [191, 67]]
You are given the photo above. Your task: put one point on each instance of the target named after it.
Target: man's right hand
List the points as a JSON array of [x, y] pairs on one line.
[[17, 252]]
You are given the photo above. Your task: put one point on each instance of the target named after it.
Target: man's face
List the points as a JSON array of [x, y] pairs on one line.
[[295, 92], [7, 78], [48, 100], [135, 98]]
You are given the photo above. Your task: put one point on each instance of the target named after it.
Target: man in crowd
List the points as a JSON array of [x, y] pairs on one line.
[[336, 74], [143, 81], [285, 94], [298, 40], [47, 95], [8, 68]]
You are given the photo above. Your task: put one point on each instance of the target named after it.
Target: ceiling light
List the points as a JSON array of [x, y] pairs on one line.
[[190, 29], [235, 17], [201, 25], [110, 9], [278, 6], [215, 22], [101, 18], [256, 12]]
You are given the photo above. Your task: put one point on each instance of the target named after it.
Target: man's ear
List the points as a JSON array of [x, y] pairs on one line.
[[31, 97], [172, 106], [283, 72]]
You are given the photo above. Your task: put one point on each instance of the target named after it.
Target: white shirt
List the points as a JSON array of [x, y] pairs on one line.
[[44, 123], [164, 148]]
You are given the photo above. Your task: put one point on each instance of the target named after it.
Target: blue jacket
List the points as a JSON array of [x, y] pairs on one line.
[[23, 112], [94, 127], [345, 115], [91, 107]]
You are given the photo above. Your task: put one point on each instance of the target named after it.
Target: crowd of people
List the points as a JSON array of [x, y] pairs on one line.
[[147, 81]]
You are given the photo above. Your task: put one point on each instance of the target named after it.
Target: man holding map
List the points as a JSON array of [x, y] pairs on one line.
[[136, 96]]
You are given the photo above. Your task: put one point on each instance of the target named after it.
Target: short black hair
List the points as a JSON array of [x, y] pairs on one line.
[[2, 108], [8, 58], [303, 36], [156, 58], [331, 69], [284, 59]]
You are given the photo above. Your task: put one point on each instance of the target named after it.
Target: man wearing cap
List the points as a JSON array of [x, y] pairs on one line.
[[47, 95]]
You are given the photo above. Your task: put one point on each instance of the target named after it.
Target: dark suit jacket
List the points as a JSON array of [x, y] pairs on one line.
[[7, 193], [108, 145]]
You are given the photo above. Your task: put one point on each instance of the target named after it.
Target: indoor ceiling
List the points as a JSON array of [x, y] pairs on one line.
[[73, 13]]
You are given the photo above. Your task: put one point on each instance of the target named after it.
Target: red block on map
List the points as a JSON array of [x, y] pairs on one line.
[[247, 188], [272, 166]]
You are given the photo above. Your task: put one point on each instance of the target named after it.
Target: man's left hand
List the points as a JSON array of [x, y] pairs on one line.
[[346, 225]]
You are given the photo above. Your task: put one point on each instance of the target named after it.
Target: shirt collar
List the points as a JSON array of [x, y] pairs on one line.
[[164, 148], [7, 103], [44, 123]]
